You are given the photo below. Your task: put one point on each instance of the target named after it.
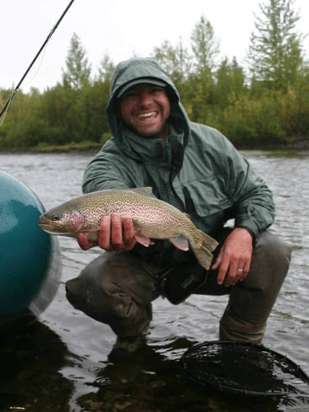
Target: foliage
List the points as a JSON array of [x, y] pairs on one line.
[[230, 83], [78, 70], [263, 109], [106, 69], [205, 47], [176, 61], [252, 122], [275, 52]]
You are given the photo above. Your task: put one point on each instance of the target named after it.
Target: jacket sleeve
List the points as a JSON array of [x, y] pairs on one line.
[[253, 200], [105, 171]]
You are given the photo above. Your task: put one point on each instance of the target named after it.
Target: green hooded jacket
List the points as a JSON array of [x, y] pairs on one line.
[[197, 170]]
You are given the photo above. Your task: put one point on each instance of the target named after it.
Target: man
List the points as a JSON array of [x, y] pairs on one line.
[[196, 169]]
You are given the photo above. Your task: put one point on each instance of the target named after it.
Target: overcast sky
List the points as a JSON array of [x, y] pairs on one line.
[[117, 27]]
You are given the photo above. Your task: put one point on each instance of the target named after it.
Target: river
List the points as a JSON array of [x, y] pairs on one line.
[[60, 362]]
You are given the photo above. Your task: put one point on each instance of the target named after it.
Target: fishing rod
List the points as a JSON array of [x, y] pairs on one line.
[[35, 58]]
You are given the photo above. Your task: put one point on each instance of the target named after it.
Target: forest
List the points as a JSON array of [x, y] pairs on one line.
[[264, 103]]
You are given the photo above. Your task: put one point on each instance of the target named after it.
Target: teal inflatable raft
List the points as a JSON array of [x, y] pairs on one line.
[[30, 263]]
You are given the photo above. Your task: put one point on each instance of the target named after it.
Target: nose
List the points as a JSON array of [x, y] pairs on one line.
[[144, 98]]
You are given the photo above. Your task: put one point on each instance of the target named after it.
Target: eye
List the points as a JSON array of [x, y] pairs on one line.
[[56, 217], [130, 95], [156, 90]]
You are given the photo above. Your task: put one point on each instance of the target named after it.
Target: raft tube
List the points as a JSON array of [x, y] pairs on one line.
[[30, 261]]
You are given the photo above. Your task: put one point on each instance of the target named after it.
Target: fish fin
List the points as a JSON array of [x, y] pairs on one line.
[[143, 240], [180, 242], [203, 251], [208, 241], [146, 191]]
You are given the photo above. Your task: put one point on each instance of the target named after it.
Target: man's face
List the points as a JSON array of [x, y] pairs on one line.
[[145, 109]]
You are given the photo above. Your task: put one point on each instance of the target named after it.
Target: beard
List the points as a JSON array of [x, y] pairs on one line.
[[162, 133]]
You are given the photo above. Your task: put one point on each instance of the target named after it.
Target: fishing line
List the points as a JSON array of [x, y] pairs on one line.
[[38, 69], [15, 91], [5, 108]]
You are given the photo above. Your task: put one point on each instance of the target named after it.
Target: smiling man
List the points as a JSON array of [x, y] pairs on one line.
[[145, 109], [196, 169]]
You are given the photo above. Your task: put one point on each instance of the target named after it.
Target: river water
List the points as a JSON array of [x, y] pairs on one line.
[[60, 362]]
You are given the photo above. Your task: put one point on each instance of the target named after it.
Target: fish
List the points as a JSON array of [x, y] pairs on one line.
[[152, 219]]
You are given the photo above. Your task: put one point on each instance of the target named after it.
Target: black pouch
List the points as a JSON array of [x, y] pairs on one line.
[[178, 283]]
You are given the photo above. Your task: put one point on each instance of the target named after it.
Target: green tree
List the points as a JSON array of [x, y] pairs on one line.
[[205, 47], [78, 70], [275, 51], [230, 84], [106, 69], [95, 102], [24, 125], [205, 50], [176, 61], [55, 111], [76, 85]]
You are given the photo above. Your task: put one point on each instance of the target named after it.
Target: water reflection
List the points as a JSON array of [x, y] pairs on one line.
[[30, 363], [61, 363]]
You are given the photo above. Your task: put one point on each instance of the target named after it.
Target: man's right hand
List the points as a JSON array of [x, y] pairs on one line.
[[115, 234]]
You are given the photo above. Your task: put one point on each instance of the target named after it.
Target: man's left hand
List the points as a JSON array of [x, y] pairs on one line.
[[234, 259]]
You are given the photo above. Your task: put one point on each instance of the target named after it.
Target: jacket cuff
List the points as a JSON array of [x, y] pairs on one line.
[[250, 226]]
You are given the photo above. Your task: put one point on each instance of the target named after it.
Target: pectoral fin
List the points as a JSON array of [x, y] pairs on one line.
[[143, 240], [180, 242]]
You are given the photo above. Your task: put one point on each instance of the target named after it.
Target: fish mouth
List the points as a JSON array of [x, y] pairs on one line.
[[48, 226]]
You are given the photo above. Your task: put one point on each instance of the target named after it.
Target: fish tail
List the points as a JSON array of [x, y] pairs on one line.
[[202, 250]]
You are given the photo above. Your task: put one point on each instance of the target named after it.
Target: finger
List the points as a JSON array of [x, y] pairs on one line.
[[218, 261], [223, 270], [105, 233], [116, 232], [241, 272], [216, 265], [84, 243], [233, 273], [246, 271], [128, 233]]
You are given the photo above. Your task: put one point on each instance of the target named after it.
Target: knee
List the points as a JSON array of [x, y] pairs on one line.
[[99, 297], [83, 293], [273, 250], [270, 262], [73, 289]]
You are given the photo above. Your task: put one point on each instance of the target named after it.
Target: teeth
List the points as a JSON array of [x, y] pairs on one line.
[[147, 114]]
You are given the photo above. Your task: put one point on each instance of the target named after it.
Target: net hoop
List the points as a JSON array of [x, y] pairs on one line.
[[244, 368]]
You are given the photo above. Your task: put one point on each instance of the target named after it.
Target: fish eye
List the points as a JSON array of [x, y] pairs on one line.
[[56, 216]]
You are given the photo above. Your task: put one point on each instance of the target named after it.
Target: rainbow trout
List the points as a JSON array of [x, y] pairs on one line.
[[152, 219]]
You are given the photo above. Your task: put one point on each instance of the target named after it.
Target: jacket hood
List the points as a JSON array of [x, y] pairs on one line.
[[129, 73]]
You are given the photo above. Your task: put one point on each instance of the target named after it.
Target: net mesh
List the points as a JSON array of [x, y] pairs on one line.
[[244, 368]]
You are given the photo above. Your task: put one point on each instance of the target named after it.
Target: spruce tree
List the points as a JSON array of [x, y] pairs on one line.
[[275, 53], [77, 73]]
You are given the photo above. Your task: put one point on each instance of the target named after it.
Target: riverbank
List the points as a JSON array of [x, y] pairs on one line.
[[292, 143]]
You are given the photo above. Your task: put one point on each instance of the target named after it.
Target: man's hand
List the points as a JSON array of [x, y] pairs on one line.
[[234, 260], [115, 234]]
